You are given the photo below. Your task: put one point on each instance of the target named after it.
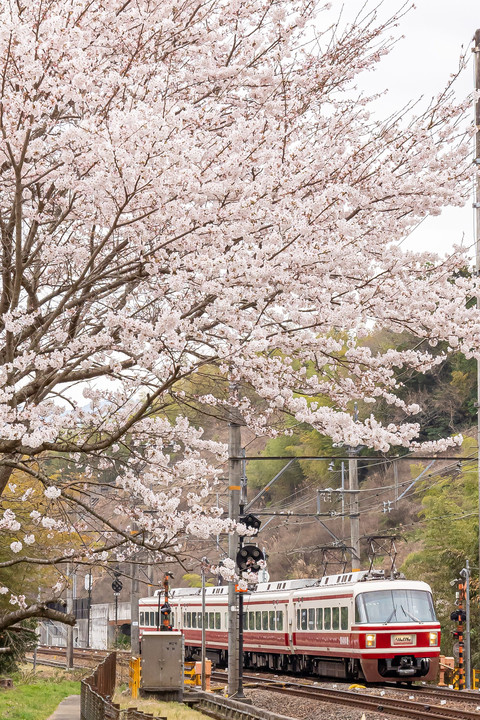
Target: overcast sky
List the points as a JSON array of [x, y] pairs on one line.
[[420, 64]]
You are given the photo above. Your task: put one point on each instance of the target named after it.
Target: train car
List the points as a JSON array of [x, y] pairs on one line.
[[355, 625]]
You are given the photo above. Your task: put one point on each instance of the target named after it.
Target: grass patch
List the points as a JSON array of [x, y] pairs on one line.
[[171, 710], [34, 697]]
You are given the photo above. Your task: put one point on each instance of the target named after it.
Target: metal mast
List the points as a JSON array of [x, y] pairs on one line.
[[476, 205]]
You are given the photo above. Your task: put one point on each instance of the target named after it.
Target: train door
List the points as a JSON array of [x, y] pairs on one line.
[[290, 608]]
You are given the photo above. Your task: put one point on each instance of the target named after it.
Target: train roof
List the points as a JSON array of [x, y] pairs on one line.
[[349, 578]]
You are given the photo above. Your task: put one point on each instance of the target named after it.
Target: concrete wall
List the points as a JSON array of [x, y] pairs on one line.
[[102, 627]]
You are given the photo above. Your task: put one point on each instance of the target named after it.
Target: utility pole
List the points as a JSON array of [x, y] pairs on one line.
[[476, 205], [234, 487], [395, 482], [204, 567], [88, 579], [243, 500], [354, 514], [343, 501], [69, 651], [465, 574], [134, 630]]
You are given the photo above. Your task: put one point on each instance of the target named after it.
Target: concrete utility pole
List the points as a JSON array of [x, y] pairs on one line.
[[134, 629], [69, 649], [476, 205], [354, 513], [465, 574], [395, 483], [234, 487], [204, 567]]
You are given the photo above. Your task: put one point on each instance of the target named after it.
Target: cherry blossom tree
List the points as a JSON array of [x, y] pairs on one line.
[[202, 182]]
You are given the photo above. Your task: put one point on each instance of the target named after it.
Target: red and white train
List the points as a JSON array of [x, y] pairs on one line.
[[355, 625]]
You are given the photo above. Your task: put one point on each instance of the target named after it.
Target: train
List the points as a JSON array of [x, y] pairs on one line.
[[356, 626]]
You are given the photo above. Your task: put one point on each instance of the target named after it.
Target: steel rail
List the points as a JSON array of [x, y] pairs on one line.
[[435, 692], [393, 706]]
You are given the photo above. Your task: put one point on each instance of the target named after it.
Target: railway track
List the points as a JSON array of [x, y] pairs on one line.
[[82, 657], [418, 709], [425, 705]]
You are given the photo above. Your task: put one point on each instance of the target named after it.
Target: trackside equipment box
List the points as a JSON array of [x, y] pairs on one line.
[[162, 664]]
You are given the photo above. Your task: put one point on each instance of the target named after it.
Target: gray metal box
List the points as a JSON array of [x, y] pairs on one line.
[[162, 662]]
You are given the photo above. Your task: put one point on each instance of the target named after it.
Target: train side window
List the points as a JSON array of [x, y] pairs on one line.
[[142, 618], [311, 618], [211, 621], [271, 619], [199, 620], [217, 621], [304, 619], [189, 619], [194, 620], [258, 620], [245, 621], [298, 619], [251, 621], [319, 618], [279, 620], [173, 619], [327, 618], [344, 618], [264, 619], [156, 619], [336, 618]]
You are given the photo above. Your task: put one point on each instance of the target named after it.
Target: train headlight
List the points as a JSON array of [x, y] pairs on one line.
[[370, 640], [433, 638]]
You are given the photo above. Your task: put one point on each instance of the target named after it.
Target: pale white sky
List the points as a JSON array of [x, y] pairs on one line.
[[420, 64]]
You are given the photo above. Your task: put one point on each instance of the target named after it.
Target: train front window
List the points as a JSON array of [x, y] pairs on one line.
[[394, 606]]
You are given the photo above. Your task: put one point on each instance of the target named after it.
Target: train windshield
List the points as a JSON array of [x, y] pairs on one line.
[[394, 606]]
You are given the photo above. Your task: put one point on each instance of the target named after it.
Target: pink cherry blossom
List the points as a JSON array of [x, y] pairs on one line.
[[187, 186]]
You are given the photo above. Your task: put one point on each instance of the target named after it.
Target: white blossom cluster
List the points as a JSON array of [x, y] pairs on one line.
[[191, 186]]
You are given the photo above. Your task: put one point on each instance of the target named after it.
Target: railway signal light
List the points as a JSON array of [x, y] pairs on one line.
[[458, 615], [251, 522], [248, 558], [117, 586]]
